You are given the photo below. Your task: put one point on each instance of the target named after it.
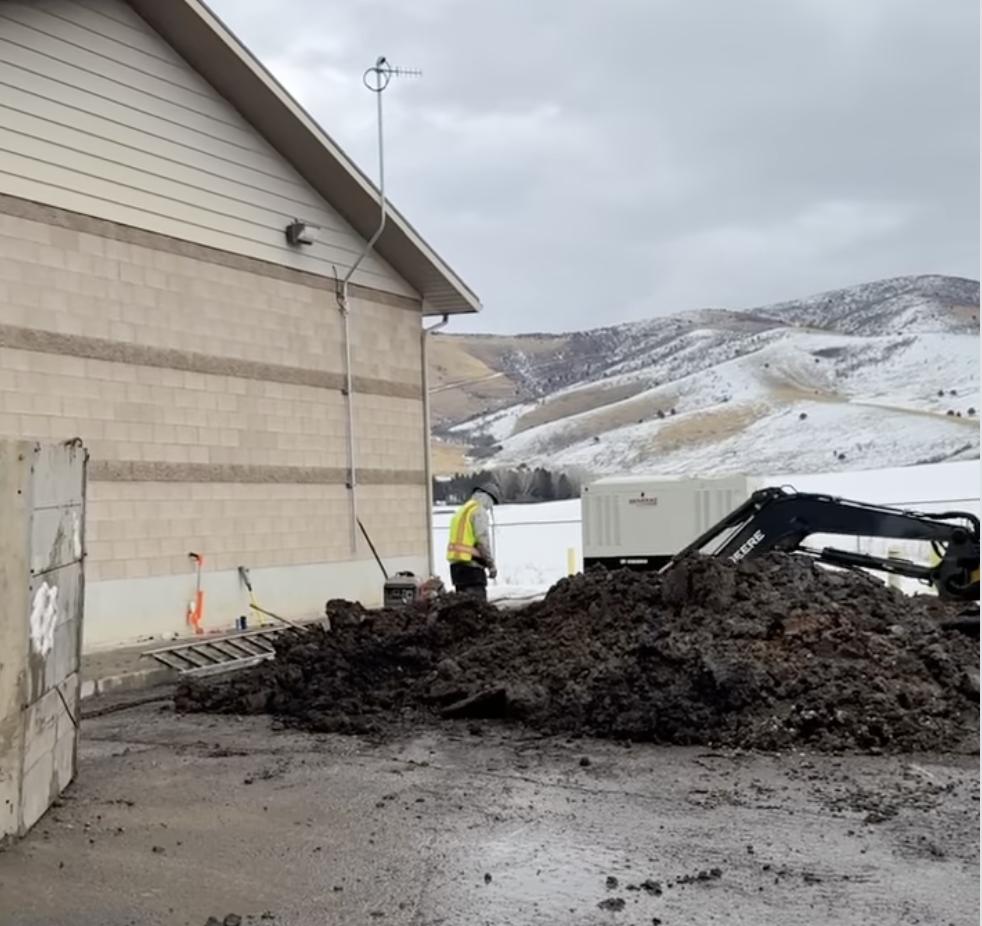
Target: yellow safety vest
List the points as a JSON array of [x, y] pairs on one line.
[[462, 545]]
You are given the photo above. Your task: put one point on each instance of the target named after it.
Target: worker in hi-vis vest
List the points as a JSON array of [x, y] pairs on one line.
[[469, 546]]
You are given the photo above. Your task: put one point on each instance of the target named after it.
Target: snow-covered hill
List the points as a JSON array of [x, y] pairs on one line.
[[881, 374]]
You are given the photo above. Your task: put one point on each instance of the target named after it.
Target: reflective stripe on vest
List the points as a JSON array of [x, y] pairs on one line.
[[462, 544]]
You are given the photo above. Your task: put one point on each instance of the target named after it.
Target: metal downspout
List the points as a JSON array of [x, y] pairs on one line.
[[427, 454]]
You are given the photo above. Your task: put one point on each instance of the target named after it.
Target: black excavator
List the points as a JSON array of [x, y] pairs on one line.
[[780, 519]]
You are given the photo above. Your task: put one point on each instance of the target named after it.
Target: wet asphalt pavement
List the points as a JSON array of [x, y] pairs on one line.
[[177, 819]]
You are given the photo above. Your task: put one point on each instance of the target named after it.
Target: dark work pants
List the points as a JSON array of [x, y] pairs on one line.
[[469, 580]]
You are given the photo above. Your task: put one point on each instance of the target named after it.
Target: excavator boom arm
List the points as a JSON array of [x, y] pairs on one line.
[[779, 519]]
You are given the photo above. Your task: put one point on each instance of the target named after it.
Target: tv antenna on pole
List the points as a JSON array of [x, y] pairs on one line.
[[376, 79]]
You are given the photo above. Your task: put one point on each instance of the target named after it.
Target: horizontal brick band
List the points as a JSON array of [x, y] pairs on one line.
[[160, 471], [128, 234], [75, 345]]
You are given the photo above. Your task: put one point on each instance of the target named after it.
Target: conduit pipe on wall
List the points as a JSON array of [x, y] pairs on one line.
[[348, 391], [380, 72]]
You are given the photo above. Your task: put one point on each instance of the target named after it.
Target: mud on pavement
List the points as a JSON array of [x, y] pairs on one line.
[[767, 654], [178, 819]]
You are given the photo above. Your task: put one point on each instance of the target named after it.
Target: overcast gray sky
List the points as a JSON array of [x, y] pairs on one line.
[[584, 163]]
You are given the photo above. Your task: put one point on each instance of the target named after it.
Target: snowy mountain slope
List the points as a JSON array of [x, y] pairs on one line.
[[904, 305], [858, 378]]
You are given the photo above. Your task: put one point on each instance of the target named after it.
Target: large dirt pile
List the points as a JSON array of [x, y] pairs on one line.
[[764, 654]]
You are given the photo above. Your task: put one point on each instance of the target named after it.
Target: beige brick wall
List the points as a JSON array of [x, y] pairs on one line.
[[57, 279], [74, 283], [148, 529], [126, 412]]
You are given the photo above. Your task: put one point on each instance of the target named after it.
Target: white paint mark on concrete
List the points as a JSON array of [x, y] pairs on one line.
[[44, 616], [76, 535]]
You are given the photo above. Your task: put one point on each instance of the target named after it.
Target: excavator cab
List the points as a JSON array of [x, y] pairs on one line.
[[779, 518]]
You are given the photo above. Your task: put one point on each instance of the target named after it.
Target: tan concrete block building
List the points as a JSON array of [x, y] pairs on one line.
[[151, 304]]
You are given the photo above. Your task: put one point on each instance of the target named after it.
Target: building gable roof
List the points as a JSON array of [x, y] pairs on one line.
[[204, 41]]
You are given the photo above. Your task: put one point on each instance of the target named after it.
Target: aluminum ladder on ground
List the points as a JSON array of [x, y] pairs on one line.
[[220, 654]]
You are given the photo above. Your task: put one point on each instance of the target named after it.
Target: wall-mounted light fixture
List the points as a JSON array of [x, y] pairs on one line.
[[299, 233]]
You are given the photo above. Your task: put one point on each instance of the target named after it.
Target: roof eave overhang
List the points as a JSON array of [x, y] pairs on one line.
[[204, 41]]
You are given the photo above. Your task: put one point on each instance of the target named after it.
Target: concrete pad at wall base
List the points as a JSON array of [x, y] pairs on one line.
[[121, 611], [147, 676]]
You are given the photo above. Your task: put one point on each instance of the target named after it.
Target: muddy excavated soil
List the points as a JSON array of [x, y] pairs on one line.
[[767, 654]]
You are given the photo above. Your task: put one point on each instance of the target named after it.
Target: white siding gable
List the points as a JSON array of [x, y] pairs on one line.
[[99, 115]]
